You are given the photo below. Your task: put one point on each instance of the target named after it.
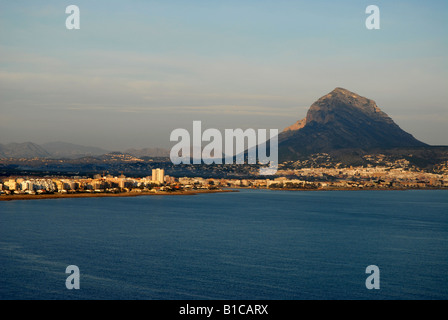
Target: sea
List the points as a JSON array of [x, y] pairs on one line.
[[245, 245]]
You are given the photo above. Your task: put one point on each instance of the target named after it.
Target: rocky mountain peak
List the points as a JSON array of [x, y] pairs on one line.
[[342, 103], [343, 119]]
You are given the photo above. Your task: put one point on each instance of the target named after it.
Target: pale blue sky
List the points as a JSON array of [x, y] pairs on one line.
[[136, 70]]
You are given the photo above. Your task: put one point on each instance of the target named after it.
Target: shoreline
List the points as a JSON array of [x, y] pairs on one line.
[[341, 189], [106, 195], [176, 193]]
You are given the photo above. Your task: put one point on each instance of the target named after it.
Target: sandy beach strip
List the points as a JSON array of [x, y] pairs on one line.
[[104, 195]]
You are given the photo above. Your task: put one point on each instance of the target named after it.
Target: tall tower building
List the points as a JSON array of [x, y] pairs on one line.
[[158, 175]]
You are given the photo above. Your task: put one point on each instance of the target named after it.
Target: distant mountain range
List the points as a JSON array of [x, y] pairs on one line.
[[71, 151], [149, 152], [343, 124], [23, 150], [64, 150]]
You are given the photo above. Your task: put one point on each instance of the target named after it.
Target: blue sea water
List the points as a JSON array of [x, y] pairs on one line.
[[253, 244]]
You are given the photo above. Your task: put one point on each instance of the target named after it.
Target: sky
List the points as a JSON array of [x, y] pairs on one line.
[[137, 70]]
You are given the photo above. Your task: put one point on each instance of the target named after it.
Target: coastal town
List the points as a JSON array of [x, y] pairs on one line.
[[322, 178]]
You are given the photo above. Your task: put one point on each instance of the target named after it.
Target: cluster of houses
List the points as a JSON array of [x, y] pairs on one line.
[[99, 183], [305, 178]]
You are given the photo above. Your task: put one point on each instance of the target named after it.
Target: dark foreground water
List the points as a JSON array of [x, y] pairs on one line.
[[247, 245]]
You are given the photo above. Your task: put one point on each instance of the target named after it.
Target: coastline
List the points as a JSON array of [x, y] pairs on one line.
[[340, 189], [105, 195], [179, 193]]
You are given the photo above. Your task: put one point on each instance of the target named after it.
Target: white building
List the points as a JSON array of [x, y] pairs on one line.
[[27, 185], [158, 175], [11, 184]]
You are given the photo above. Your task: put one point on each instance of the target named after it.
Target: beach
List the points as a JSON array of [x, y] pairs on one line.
[[101, 195]]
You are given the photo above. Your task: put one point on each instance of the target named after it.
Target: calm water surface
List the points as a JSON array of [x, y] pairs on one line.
[[254, 244]]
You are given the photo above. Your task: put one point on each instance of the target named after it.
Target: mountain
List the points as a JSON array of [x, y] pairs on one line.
[[23, 150], [69, 150], [149, 152], [343, 120], [64, 150]]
